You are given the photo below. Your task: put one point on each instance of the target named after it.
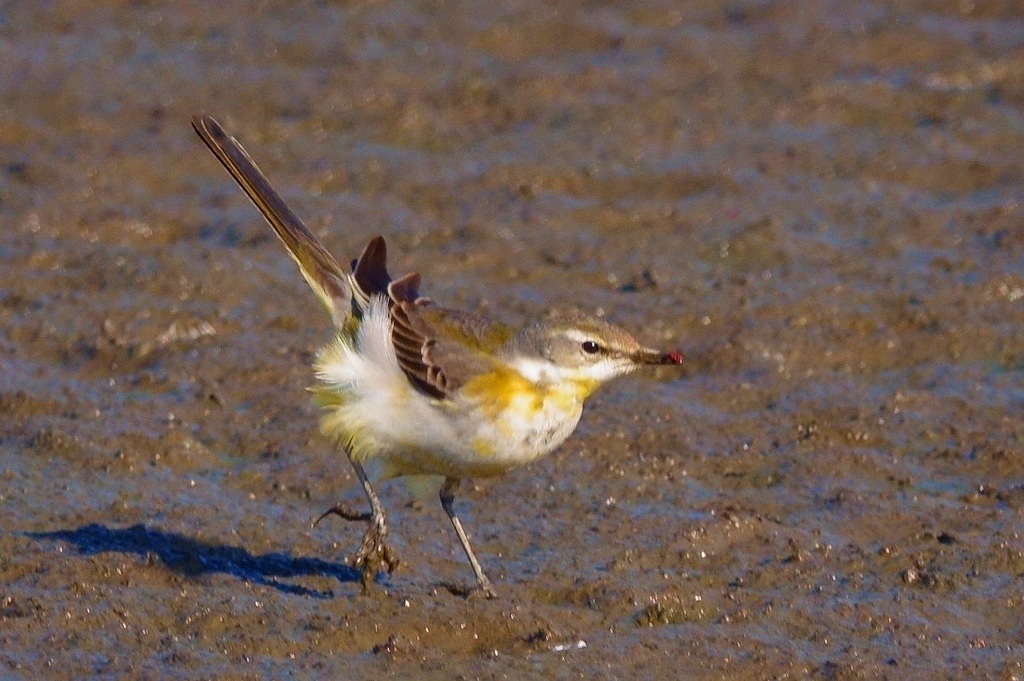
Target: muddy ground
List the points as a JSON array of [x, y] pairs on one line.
[[820, 204]]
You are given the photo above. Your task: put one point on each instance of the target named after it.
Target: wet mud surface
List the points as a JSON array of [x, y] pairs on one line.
[[819, 204]]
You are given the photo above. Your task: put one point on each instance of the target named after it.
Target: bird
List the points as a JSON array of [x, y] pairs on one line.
[[410, 388]]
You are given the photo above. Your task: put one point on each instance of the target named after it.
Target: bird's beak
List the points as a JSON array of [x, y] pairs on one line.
[[652, 356]]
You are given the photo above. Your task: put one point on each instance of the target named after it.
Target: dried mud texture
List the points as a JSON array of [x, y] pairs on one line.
[[821, 204]]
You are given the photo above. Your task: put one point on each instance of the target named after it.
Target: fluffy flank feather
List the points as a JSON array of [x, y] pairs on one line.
[[365, 390]]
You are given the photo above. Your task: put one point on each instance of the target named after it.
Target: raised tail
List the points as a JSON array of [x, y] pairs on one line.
[[331, 285]]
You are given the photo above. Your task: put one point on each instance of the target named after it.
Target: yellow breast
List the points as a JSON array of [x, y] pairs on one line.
[[524, 420], [505, 390]]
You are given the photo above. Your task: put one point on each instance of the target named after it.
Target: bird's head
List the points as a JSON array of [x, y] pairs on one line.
[[576, 347]]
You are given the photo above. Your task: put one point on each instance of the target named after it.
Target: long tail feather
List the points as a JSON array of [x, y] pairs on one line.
[[318, 267]]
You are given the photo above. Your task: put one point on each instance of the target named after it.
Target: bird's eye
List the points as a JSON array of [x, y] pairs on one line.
[[590, 347]]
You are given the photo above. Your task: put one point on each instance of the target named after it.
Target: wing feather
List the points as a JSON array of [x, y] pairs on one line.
[[441, 349]]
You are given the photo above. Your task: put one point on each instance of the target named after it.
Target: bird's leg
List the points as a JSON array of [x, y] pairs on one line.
[[447, 500], [374, 552]]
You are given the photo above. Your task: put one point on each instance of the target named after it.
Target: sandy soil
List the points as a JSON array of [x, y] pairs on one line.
[[821, 204]]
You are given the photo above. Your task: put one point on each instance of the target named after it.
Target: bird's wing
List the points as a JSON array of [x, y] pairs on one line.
[[438, 349], [441, 349]]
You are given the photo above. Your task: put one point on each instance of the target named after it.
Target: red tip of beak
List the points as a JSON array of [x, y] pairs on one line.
[[675, 356]]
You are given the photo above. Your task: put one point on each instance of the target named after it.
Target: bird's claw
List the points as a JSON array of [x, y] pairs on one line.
[[484, 590], [375, 554], [474, 592], [342, 510]]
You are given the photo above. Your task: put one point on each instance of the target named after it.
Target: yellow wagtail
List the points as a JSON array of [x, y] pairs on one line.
[[422, 390]]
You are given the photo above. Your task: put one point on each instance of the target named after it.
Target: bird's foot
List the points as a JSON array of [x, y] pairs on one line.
[[375, 554], [483, 589], [474, 592], [343, 510]]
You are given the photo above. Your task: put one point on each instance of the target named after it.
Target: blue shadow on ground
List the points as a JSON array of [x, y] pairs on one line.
[[194, 558]]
